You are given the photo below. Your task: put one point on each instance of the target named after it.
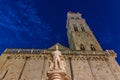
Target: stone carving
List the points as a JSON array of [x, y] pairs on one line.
[[63, 63], [57, 65], [57, 62], [51, 65]]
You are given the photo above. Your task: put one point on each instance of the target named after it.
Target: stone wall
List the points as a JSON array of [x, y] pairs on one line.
[[27, 66]]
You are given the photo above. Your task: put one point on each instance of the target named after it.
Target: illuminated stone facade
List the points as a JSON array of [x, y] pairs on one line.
[[84, 60]]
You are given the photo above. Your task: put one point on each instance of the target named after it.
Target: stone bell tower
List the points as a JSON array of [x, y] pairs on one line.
[[79, 34]]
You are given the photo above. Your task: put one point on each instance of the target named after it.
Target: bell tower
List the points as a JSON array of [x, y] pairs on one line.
[[80, 36]]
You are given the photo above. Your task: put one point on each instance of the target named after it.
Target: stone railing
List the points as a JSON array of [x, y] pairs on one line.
[[38, 51]]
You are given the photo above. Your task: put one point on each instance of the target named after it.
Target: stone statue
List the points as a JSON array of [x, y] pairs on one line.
[[57, 65], [57, 61]]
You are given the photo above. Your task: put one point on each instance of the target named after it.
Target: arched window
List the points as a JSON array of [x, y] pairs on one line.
[[82, 28], [92, 47], [77, 18], [75, 27], [82, 47]]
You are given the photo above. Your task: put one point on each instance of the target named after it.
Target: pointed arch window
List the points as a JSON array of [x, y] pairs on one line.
[[75, 27], [82, 47], [82, 28], [92, 47]]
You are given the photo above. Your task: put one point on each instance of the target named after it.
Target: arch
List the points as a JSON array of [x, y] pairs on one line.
[[12, 76], [83, 29], [82, 47], [92, 47], [75, 27]]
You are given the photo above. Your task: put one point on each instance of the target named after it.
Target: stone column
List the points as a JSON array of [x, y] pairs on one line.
[[57, 75]]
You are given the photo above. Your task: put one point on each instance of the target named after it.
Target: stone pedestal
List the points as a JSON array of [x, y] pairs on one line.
[[56, 75]]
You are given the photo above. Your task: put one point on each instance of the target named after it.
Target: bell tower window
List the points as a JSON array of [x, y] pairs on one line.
[[82, 47], [72, 17], [75, 27], [77, 18], [82, 28], [92, 47]]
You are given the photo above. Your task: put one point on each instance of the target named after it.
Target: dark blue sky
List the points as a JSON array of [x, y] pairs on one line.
[[42, 23]]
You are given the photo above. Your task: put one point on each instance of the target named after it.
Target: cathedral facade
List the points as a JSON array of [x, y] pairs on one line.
[[83, 60]]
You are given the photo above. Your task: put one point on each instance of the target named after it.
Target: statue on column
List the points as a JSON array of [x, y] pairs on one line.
[[57, 62], [57, 65]]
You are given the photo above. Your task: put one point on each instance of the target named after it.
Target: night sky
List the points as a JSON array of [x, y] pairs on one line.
[[42, 23]]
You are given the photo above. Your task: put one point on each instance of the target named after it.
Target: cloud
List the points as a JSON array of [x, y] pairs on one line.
[[22, 20]]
